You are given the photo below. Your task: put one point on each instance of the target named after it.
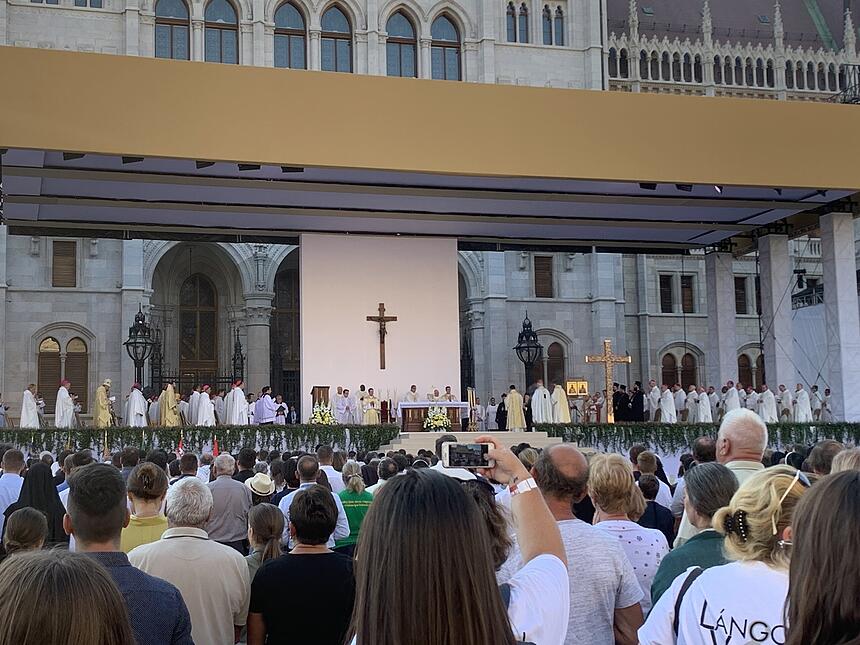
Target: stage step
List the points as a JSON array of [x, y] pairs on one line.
[[412, 442]]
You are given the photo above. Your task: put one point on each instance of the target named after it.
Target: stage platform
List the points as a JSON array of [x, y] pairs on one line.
[[412, 442]]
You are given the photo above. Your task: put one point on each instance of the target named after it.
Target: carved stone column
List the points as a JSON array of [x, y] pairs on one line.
[[258, 315]]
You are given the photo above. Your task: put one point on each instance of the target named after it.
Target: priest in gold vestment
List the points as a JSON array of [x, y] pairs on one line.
[[168, 407], [516, 414], [101, 410], [370, 408]]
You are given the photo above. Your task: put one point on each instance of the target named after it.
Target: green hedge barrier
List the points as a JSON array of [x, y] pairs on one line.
[[669, 438]]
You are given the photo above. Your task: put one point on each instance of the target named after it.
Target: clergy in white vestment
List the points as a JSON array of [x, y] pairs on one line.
[[731, 400], [349, 415], [336, 403], [64, 412], [183, 411], [29, 409], [751, 400], [265, 408], [653, 400], [236, 406], [204, 398], [714, 398], [767, 405], [692, 405], [668, 413], [281, 412], [703, 406], [220, 407], [154, 413], [358, 414], [680, 402], [252, 409], [135, 408], [340, 406], [816, 401], [480, 415], [492, 409], [560, 405], [412, 395], [434, 395], [826, 407], [449, 396], [193, 401], [205, 409], [802, 408], [541, 404], [784, 405]]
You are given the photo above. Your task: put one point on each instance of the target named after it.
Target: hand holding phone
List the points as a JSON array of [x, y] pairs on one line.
[[466, 455], [507, 468]]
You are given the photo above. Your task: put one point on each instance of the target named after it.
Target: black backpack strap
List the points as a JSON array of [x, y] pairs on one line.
[[505, 591], [689, 580]]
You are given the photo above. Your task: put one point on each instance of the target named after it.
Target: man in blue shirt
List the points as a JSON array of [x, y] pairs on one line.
[[96, 515], [307, 470]]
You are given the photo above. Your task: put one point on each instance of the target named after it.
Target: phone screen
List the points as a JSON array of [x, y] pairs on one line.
[[467, 455]]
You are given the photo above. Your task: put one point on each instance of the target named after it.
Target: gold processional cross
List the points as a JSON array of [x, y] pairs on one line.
[[382, 319], [609, 360]]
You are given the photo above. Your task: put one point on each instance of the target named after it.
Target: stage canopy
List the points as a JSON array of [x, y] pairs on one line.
[[102, 145]]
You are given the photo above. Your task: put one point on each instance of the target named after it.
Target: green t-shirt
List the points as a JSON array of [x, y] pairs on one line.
[[355, 506]]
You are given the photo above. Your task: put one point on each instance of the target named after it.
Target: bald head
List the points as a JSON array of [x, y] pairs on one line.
[[561, 472], [742, 437]]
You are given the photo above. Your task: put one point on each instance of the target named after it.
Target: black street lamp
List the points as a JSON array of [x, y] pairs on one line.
[[528, 349], [238, 358], [139, 344]]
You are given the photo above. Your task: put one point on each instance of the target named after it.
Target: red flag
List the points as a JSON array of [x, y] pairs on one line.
[[179, 449], [215, 447]]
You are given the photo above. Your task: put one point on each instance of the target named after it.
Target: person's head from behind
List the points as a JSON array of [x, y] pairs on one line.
[[129, 457], [387, 468], [351, 473], [45, 457], [174, 468], [445, 438], [708, 487], [635, 451], [338, 459], [402, 462], [528, 456], [188, 464], [307, 469], [80, 459], [247, 458], [848, 459], [822, 601], [13, 462], [561, 473], [26, 530], [265, 528], [497, 524], [425, 526], [206, 459], [325, 455], [650, 486], [756, 519], [646, 461], [146, 485], [611, 486], [189, 503], [158, 457], [313, 516], [43, 595], [704, 450], [96, 511], [224, 464], [742, 437], [821, 456]]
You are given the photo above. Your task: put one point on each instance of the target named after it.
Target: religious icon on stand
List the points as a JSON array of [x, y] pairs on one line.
[[576, 388]]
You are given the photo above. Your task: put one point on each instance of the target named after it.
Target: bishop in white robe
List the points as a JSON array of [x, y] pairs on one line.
[[767, 405], [731, 400], [653, 399], [135, 408], [560, 405], [692, 405], [236, 406], [703, 407], [64, 412], [668, 413], [802, 408], [29, 409], [205, 410], [541, 404], [785, 407], [680, 403], [193, 401]]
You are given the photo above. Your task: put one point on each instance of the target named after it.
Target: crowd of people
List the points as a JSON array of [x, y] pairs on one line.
[[542, 546]]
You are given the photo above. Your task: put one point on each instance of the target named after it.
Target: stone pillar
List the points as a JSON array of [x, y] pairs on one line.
[[132, 28], [497, 344], [775, 271], [314, 50], [722, 354], [197, 48], [842, 321], [644, 319], [604, 321], [258, 314], [425, 70], [476, 329]]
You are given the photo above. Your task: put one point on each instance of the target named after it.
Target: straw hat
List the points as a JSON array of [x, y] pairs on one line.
[[261, 484]]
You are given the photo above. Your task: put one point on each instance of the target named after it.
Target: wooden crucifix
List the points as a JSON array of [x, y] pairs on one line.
[[609, 361], [382, 320]]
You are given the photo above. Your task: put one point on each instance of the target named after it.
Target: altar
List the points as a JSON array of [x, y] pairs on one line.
[[413, 413]]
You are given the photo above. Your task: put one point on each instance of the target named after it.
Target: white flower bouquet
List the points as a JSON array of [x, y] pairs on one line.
[[437, 419], [322, 415]]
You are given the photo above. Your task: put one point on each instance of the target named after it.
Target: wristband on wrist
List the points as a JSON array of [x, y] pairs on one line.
[[523, 487]]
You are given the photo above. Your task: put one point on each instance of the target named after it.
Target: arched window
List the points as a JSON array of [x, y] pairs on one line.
[[841, 79], [718, 70], [688, 371], [744, 370], [676, 67], [739, 71], [697, 69], [77, 370], [445, 50], [831, 78], [789, 74], [759, 72], [643, 65], [559, 27], [728, 73], [749, 74], [49, 374], [546, 22], [654, 73], [336, 41], [799, 78], [198, 327], [822, 77], [523, 24], [759, 371], [669, 374], [768, 75], [555, 364], [623, 64], [222, 33], [290, 37], [613, 62], [665, 67], [171, 29], [511, 22], [810, 76], [402, 47]]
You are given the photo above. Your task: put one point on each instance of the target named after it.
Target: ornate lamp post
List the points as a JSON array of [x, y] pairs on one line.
[[139, 344], [238, 358], [528, 349]]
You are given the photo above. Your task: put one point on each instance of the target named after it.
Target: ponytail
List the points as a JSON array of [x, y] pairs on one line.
[[267, 522]]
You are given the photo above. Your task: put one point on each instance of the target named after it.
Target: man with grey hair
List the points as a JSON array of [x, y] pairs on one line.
[[212, 578], [740, 446], [231, 502], [605, 595]]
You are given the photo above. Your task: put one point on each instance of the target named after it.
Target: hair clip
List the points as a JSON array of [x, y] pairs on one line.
[[737, 523]]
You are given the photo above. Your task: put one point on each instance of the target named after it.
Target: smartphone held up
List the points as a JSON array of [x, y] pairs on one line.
[[466, 455]]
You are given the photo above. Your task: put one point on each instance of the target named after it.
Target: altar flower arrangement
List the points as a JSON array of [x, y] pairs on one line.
[[437, 419], [322, 415]]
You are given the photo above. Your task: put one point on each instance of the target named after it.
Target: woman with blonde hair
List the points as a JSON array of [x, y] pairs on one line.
[[744, 600], [147, 487], [265, 528], [618, 503], [356, 501]]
